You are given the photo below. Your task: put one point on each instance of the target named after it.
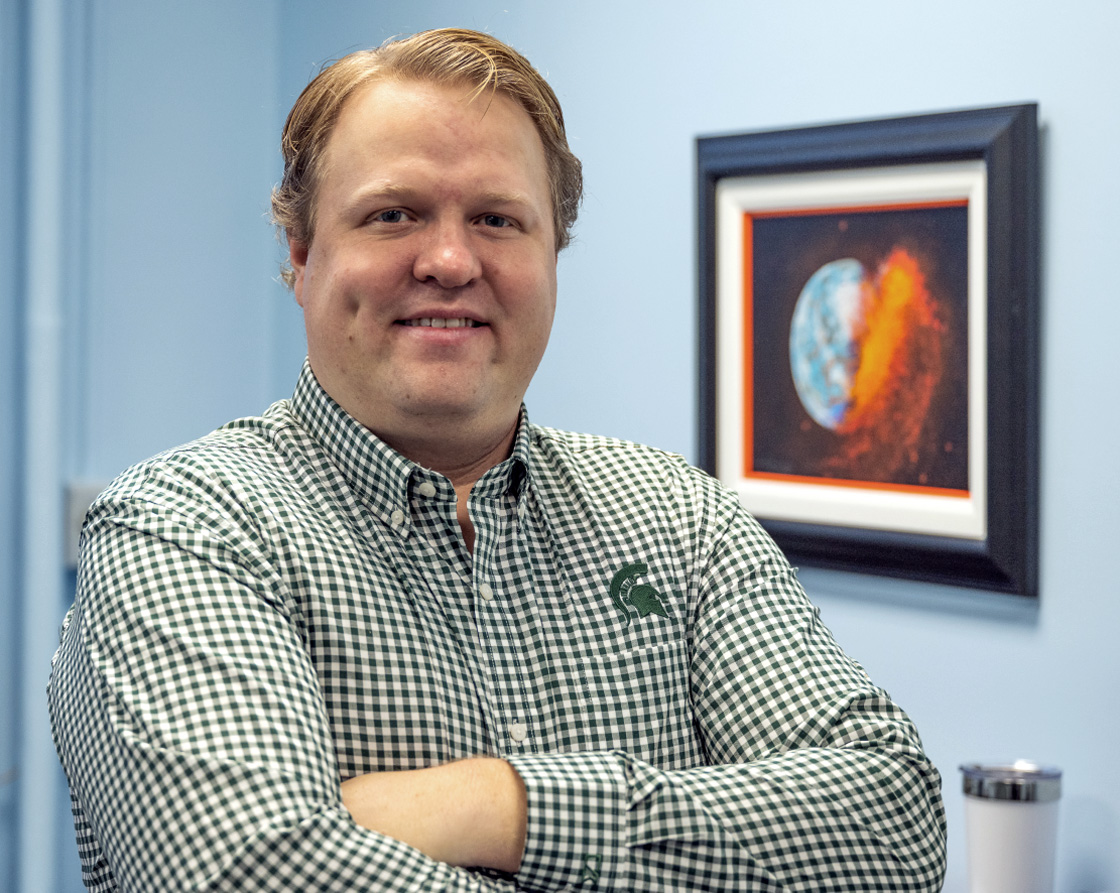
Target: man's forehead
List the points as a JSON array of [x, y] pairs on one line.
[[390, 113], [385, 90]]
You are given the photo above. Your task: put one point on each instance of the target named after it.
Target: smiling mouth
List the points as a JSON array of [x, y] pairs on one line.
[[437, 322]]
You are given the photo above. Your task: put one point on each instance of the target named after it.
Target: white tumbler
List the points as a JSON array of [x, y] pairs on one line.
[[1011, 824]]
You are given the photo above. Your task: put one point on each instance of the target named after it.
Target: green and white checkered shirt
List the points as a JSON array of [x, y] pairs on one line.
[[287, 603]]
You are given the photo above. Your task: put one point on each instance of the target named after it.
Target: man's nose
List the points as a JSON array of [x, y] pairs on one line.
[[447, 256]]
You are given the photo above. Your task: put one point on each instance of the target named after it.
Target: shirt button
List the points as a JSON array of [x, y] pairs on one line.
[[485, 590], [518, 731], [397, 518], [427, 489]]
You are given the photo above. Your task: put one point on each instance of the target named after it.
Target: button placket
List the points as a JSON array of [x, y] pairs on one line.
[[499, 618]]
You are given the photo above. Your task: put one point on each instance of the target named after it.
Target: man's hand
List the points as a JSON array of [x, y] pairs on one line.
[[470, 813]]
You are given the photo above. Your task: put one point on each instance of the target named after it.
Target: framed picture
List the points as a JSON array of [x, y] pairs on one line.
[[868, 325]]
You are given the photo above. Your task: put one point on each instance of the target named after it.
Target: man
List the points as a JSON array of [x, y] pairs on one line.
[[392, 636]]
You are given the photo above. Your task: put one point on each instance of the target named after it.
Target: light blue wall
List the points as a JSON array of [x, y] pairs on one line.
[[168, 315], [178, 326], [11, 110]]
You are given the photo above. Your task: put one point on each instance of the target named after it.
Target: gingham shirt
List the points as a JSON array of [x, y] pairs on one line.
[[287, 603]]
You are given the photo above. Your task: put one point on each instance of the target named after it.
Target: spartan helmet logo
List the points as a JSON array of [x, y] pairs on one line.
[[629, 595]]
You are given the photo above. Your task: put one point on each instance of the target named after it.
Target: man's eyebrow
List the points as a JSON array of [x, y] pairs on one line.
[[379, 189], [520, 202], [397, 192]]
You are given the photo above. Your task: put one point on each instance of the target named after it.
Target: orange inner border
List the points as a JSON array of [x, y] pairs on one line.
[[748, 349]]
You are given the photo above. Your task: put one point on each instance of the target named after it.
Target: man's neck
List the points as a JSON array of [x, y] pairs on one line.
[[462, 460]]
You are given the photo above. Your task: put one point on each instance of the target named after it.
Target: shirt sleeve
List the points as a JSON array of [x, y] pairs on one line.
[[188, 717], [816, 781]]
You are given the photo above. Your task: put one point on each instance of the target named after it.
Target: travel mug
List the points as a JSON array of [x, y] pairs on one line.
[[1011, 825]]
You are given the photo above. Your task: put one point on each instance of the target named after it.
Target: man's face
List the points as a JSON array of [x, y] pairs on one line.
[[429, 287]]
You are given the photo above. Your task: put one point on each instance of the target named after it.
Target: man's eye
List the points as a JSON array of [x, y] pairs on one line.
[[495, 220], [393, 216]]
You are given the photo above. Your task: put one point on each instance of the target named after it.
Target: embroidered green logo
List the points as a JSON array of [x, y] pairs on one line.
[[627, 594], [589, 876]]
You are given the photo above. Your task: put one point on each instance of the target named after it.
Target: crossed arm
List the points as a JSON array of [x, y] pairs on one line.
[[470, 813]]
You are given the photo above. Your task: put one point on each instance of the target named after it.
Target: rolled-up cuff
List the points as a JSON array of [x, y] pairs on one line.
[[576, 835]]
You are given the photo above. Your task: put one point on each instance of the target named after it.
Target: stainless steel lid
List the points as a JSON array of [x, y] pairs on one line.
[[1022, 781]]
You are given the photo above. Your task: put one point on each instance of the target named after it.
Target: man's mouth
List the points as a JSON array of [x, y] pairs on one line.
[[438, 322]]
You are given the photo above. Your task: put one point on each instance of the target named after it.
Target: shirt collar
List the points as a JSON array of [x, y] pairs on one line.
[[378, 474]]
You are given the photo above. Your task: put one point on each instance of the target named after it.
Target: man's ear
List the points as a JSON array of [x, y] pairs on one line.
[[297, 258]]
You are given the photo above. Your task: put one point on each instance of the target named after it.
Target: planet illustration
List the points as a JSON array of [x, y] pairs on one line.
[[866, 352], [823, 347]]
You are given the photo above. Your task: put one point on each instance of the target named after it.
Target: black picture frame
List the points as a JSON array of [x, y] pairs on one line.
[[1002, 142]]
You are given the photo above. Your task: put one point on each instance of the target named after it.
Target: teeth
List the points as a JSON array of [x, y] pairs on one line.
[[438, 322]]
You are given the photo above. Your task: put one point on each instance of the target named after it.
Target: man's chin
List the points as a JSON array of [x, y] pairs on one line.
[[457, 412]]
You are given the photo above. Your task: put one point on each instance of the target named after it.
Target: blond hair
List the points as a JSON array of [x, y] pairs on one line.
[[447, 56]]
